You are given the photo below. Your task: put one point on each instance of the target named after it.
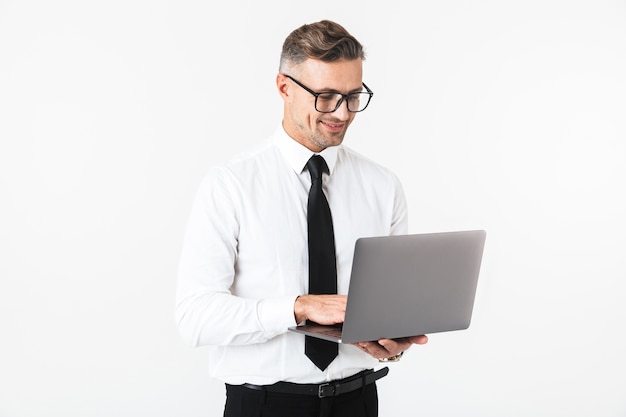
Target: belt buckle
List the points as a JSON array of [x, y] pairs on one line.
[[322, 392]]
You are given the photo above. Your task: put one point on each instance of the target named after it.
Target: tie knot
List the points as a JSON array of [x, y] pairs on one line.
[[316, 166]]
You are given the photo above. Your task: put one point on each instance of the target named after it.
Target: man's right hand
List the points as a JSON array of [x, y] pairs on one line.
[[322, 309]]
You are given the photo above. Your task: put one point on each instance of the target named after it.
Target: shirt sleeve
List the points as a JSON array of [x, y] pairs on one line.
[[399, 221], [207, 313]]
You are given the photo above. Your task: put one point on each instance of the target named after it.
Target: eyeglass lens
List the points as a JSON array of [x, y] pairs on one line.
[[329, 102]]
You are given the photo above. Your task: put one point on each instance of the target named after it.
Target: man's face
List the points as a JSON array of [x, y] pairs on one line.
[[301, 121]]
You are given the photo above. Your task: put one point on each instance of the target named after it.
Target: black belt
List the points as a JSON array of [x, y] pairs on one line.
[[327, 389]]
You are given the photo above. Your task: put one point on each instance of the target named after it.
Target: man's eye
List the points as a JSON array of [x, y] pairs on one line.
[[327, 97]]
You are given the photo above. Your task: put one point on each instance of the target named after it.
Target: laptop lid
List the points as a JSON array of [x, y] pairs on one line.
[[408, 285]]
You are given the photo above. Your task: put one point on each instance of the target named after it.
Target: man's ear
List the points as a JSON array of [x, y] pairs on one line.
[[283, 86]]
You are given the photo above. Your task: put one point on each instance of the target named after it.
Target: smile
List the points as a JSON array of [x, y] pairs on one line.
[[333, 126]]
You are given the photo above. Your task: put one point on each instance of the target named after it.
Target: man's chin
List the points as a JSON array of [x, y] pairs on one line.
[[332, 140]]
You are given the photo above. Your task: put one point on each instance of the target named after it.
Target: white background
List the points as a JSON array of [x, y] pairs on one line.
[[506, 116]]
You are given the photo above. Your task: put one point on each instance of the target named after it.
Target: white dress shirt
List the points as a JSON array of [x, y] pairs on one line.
[[245, 259]]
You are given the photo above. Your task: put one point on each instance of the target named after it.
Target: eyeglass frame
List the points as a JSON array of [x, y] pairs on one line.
[[340, 101]]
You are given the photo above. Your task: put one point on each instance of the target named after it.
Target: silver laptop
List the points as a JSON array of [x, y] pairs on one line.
[[408, 285]]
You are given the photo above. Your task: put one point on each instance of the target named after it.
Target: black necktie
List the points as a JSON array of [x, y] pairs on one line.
[[322, 262]]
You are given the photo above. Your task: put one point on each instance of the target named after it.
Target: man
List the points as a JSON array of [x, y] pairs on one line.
[[245, 264]]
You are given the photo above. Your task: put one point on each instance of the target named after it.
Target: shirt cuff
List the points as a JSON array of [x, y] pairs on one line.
[[276, 314]]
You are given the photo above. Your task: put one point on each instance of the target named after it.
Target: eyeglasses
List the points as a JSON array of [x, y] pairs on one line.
[[328, 102]]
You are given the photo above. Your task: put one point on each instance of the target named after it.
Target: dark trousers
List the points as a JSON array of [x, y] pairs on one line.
[[246, 402]]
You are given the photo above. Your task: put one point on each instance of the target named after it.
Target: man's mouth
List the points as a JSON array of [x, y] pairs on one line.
[[333, 126]]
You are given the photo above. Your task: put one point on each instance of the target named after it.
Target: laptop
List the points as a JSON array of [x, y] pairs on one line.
[[408, 285]]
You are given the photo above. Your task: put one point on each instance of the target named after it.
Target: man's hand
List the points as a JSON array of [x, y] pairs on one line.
[[386, 348], [322, 309]]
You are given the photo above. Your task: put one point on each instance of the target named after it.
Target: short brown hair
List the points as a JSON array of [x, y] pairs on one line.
[[324, 40]]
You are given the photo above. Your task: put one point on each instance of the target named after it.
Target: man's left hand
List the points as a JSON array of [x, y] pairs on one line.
[[385, 348]]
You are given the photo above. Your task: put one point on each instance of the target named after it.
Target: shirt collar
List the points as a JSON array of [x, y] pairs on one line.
[[298, 155]]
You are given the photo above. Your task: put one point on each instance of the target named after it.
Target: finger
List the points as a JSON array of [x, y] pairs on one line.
[[395, 346], [419, 340], [388, 344], [376, 350], [363, 347]]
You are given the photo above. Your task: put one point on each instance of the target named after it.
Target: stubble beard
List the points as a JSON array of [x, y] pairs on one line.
[[323, 141]]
